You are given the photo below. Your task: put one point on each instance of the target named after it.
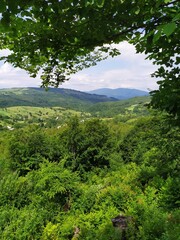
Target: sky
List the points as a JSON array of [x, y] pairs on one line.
[[128, 70]]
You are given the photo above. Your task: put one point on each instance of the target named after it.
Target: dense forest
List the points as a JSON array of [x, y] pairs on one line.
[[107, 178]]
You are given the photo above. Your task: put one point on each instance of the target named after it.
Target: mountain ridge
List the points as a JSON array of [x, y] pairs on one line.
[[38, 97], [120, 93], [58, 97]]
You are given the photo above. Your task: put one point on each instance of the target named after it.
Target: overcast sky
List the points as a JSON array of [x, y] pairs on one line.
[[129, 70]]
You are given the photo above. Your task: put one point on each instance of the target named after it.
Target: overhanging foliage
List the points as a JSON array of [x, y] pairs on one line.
[[63, 37]]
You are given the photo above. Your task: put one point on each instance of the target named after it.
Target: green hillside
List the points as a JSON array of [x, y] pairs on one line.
[[20, 107], [20, 116], [38, 97], [136, 106]]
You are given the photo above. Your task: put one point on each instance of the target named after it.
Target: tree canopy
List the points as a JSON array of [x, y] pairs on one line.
[[62, 37]]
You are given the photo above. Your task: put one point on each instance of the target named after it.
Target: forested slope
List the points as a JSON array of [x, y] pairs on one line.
[[38, 97], [20, 107], [69, 183], [136, 106]]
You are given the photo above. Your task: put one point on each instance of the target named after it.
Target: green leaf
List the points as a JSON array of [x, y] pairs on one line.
[[177, 17], [12, 5], [137, 10], [2, 6], [89, 2], [152, 10], [169, 28], [5, 19], [100, 3], [157, 36]]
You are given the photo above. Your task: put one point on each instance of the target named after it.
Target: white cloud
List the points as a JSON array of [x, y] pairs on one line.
[[5, 52], [129, 70], [15, 77]]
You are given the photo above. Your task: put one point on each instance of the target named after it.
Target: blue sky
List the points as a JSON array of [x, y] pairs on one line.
[[129, 70]]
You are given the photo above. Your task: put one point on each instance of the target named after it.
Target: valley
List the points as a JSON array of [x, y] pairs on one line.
[[20, 107]]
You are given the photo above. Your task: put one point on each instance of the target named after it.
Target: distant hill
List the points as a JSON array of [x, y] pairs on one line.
[[120, 93], [136, 105], [54, 97], [22, 106]]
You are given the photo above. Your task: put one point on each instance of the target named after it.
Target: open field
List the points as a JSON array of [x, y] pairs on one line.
[[23, 115]]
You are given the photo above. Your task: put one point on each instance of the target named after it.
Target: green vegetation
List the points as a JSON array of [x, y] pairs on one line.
[[16, 117], [69, 183], [23, 106], [63, 37], [131, 107], [38, 97]]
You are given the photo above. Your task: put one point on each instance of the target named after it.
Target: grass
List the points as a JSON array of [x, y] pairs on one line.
[[12, 116]]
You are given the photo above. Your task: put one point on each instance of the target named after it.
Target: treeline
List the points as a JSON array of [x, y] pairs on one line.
[[69, 183], [130, 108], [21, 116], [58, 97]]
